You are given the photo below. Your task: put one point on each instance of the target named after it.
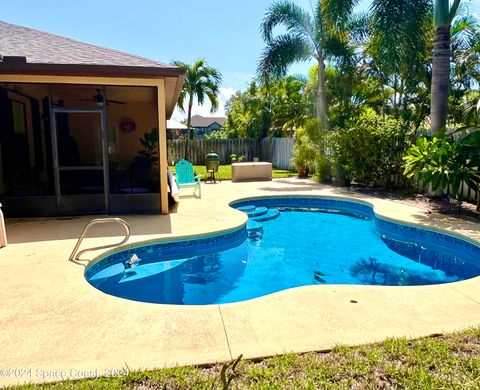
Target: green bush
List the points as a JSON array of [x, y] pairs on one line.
[[304, 152], [234, 158], [310, 150], [445, 163], [370, 150]]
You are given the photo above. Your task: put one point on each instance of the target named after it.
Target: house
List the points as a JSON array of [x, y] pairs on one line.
[[203, 125], [72, 120]]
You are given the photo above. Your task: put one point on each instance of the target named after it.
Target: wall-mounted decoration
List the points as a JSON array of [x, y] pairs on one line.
[[128, 125]]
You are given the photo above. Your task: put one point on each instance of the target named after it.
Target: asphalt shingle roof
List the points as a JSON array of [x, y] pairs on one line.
[[45, 48]]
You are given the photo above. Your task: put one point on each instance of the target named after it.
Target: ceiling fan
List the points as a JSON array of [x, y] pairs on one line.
[[99, 99]]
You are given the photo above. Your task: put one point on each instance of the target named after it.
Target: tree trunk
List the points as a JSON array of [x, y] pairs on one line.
[[322, 107], [189, 130], [440, 78]]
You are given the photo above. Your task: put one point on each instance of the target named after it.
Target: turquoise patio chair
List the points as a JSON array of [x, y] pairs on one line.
[[186, 177]]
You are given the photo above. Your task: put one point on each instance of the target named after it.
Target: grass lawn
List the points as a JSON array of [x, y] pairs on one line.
[[225, 172], [449, 361]]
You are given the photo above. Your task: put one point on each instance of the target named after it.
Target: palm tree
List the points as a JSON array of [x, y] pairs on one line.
[[201, 81], [443, 16], [308, 36], [400, 48]]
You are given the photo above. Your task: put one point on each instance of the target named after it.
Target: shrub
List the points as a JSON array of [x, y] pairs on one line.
[[234, 158], [370, 150], [310, 150], [445, 163]]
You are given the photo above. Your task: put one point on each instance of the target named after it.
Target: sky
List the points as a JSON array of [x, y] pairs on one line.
[[224, 32]]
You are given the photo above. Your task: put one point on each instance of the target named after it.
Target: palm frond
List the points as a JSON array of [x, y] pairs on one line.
[[398, 31], [289, 15], [280, 53], [339, 51], [337, 12], [359, 27], [213, 98], [463, 31], [181, 100]]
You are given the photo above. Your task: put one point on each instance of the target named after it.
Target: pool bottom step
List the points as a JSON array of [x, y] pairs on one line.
[[258, 211], [254, 230], [257, 215], [269, 215]]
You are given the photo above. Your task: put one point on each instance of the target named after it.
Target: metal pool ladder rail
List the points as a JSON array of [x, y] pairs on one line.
[[96, 222]]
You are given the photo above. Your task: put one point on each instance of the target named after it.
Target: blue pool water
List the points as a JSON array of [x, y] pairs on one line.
[[288, 242]]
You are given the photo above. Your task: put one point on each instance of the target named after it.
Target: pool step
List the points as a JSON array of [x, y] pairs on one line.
[[253, 211], [257, 215], [247, 209], [253, 225], [269, 215], [257, 212]]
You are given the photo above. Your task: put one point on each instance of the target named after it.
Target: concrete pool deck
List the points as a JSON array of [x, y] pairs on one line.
[[55, 325]]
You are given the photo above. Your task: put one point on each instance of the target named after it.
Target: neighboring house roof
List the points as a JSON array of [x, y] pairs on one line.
[[28, 51], [174, 125], [205, 121]]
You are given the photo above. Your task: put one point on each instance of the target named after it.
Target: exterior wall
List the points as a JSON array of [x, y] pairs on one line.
[[200, 132]]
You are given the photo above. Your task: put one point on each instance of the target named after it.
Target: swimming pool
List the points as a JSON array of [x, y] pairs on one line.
[[287, 242]]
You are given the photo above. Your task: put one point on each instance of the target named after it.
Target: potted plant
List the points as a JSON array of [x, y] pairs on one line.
[[144, 168]]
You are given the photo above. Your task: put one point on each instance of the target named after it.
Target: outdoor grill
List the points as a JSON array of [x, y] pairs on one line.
[[212, 161]]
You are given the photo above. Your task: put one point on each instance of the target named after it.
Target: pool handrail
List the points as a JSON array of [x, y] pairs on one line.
[[95, 222]]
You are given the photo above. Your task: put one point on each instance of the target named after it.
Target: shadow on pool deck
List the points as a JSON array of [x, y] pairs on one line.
[[53, 229], [292, 186], [449, 223]]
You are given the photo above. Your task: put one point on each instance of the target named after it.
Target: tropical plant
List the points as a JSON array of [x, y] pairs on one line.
[[318, 35], [147, 158], [471, 109], [471, 154], [398, 52], [272, 110], [443, 16], [235, 158], [248, 114], [445, 163], [143, 170], [312, 149], [465, 45], [305, 151], [216, 134], [465, 73], [371, 148], [201, 82]]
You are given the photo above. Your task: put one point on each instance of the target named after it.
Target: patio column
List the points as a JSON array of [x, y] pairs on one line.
[[162, 146]]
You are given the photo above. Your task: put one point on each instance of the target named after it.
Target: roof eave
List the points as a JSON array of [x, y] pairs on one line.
[[91, 70]]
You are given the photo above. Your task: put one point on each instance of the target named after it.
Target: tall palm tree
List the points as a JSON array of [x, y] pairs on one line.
[[400, 47], [201, 81], [443, 16], [308, 36]]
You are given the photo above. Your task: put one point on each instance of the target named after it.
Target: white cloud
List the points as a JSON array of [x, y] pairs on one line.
[[204, 110]]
